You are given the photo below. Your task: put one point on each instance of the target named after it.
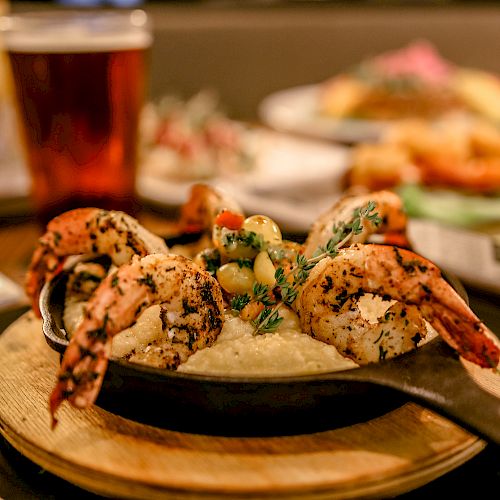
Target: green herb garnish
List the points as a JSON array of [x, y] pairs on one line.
[[238, 302], [288, 284]]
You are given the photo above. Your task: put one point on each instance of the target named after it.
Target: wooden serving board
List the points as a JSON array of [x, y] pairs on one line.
[[110, 455]]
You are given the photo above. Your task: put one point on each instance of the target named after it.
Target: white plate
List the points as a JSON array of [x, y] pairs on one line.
[[285, 163], [296, 110], [293, 181], [282, 163], [10, 293], [472, 256]]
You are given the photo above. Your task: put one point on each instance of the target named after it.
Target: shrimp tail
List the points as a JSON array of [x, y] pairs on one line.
[[55, 401], [469, 337], [81, 373], [87, 231], [44, 266]]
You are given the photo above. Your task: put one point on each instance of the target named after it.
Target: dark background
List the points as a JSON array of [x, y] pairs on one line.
[[245, 50]]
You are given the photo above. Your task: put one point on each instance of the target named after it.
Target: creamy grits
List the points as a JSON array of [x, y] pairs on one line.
[[237, 351], [288, 351]]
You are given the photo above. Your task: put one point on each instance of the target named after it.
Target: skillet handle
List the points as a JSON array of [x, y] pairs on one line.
[[435, 376]]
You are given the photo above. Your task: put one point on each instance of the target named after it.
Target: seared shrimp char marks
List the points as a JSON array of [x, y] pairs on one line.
[[398, 274], [388, 206], [178, 341], [87, 231], [83, 280], [397, 329], [191, 297]]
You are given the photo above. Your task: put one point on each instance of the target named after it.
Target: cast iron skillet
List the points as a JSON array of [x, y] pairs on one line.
[[432, 375]]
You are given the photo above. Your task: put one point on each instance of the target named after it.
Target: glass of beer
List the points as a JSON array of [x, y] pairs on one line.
[[79, 79]]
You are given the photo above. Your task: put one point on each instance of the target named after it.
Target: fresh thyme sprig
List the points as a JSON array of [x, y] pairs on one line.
[[287, 285], [238, 302], [343, 232]]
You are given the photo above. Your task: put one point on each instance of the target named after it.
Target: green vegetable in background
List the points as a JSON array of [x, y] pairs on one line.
[[450, 207]]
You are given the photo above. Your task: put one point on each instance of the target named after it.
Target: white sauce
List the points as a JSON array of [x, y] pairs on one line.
[[73, 315]]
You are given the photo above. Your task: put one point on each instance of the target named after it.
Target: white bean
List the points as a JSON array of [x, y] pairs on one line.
[[235, 279], [265, 226], [263, 269]]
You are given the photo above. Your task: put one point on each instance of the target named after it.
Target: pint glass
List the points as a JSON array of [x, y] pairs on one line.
[[79, 81]]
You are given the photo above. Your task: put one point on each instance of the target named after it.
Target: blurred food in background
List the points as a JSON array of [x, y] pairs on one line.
[[360, 103], [291, 178], [463, 154], [415, 81], [447, 169], [194, 139]]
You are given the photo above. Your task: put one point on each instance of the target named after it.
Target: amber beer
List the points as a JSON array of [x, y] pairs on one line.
[[79, 98]]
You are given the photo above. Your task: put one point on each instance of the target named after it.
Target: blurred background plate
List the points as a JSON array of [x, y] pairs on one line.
[[284, 163], [296, 110], [293, 181], [472, 254]]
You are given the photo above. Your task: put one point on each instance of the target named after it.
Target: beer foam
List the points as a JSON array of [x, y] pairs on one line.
[[76, 41]]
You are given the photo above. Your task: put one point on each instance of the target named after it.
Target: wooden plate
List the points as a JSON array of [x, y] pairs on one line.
[[108, 454]]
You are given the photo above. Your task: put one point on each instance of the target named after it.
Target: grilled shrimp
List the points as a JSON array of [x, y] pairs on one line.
[[176, 343], [87, 231], [205, 203], [388, 206], [83, 279], [398, 329], [192, 303], [398, 274]]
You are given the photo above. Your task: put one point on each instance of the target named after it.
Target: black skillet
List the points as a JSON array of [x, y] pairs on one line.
[[432, 375]]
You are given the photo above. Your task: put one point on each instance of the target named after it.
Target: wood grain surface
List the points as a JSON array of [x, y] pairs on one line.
[[110, 455]]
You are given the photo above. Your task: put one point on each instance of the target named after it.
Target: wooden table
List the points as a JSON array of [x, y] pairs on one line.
[[20, 478]]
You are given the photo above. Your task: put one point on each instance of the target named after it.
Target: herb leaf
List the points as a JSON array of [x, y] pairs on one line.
[[288, 284], [238, 302]]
